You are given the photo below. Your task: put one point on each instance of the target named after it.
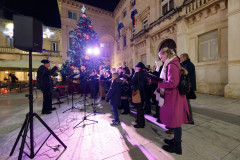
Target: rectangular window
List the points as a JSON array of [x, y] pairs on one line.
[[118, 45], [10, 42], [208, 46], [124, 41], [133, 33], [145, 23], [54, 46], [70, 14], [124, 13], [71, 40], [165, 9], [105, 47], [144, 59], [74, 15], [171, 4]]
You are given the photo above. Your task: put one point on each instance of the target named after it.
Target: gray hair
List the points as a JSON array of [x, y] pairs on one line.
[[170, 52], [185, 55]]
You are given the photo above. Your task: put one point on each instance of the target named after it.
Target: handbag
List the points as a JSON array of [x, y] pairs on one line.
[[136, 96]]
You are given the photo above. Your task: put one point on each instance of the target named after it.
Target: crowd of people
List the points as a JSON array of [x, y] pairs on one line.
[[159, 86], [142, 87]]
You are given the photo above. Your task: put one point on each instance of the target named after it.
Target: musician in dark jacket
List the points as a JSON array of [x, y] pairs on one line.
[[83, 82], [93, 84], [125, 94], [114, 95], [140, 82], [44, 82], [186, 62]]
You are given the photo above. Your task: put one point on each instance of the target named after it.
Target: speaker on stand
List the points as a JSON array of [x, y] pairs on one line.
[[28, 37]]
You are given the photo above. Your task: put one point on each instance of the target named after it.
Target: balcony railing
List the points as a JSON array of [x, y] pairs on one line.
[[9, 50], [192, 5]]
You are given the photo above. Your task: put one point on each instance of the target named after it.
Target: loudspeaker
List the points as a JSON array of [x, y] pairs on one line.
[[28, 33]]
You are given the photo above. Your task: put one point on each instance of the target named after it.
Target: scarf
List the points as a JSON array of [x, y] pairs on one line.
[[159, 92]]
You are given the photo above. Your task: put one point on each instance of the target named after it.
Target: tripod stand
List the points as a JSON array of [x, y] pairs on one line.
[[73, 107], [28, 123], [85, 116], [94, 112]]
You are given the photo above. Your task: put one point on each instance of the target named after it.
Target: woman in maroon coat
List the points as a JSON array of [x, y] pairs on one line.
[[174, 107]]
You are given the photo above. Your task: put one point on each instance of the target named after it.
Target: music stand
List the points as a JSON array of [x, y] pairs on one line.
[[94, 112], [85, 112], [73, 107]]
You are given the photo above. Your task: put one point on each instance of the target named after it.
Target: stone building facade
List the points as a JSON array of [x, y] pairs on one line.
[[13, 60], [102, 21], [205, 29]]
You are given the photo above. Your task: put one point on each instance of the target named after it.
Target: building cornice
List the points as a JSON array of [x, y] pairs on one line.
[[196, 11], [89, 8], [119, 6]]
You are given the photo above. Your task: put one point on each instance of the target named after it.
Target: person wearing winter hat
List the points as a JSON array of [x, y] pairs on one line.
[[139, 82], [44, 83]]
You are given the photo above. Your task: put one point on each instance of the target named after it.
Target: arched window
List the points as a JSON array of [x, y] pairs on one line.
[[168, 43]]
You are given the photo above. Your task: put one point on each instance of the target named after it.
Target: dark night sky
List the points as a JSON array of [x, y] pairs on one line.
[[43, 10], [47, 10], [108, 5]]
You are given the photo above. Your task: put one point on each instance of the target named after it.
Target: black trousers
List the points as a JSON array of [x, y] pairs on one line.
[[47, 100], [125, 105], [177, 134], [83, 88], [190, 111], [140, 114]]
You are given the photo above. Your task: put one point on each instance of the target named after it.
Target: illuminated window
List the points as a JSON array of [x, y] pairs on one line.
[[55, 46], [208, 46]]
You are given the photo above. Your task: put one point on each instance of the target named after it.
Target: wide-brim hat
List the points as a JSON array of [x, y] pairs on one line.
[[140, 65], [44, 61]]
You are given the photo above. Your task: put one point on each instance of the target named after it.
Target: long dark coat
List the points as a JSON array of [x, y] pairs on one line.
[[139, 81], [44, 81], [191, 72], [114, 93]]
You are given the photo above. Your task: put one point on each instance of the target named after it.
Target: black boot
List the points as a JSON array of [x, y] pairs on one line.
[[169, 141], [175, 148]]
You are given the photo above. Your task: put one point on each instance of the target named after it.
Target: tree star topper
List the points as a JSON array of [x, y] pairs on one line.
[[83, 9]]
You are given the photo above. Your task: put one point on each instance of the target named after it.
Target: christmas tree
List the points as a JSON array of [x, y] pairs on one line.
[[84, 37]]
